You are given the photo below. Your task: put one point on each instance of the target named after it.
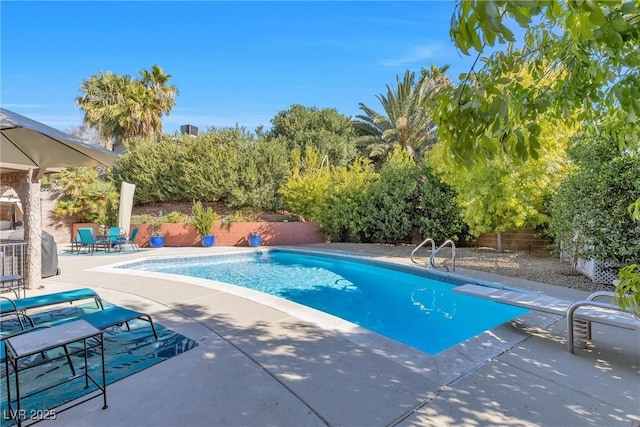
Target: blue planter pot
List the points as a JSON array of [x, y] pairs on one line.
[[254, 240], [156, 241], [208, 241]]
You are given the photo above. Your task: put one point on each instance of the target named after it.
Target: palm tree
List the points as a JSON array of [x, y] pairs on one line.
[[101, 105], [160, 99], [121, 108], [406, 120]]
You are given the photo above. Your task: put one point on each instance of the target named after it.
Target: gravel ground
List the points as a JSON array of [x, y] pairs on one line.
[[537, 266]]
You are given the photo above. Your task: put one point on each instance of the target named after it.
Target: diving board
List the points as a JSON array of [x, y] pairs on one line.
[[585, 312]]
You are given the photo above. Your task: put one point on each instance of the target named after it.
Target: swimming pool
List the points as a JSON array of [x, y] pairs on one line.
[[414, 309]]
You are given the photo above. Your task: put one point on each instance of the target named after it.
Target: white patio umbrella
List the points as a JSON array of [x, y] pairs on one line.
[[27, 150], [126, 206]]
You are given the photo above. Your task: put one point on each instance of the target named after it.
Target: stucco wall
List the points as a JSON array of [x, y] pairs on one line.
[[58, 227], [273, 233]]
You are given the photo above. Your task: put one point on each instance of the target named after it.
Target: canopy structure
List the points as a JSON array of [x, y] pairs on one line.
[[28, 149], [27, 144]]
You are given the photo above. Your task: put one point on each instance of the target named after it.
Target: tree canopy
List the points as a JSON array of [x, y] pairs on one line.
[[504, 193], [584, 57], [328, 132]]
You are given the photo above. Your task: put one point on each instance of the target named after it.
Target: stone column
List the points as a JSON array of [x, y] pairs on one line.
[[28, 189]]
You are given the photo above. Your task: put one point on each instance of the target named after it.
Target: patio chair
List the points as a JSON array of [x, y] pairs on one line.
[[13, 283], [115, 237], [88, 240], [76, 243], [132, 239]]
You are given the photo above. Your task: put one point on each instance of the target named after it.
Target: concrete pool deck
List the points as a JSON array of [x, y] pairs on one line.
[[271, 363]]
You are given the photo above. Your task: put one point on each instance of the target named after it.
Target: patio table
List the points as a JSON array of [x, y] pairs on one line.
[[109, 241], [32, 343]]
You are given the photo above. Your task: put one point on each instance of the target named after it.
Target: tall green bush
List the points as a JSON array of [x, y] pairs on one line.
[[306, 188], [326, 131], [392, 199], [409, 198], [227, 165], [157, 169], [343, 211], [358, 204], [334, 196], [590, 213], [438, 214], [263, 168]]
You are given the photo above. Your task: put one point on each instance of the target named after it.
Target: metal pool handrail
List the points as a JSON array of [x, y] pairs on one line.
[[427, 240], [434, 252]]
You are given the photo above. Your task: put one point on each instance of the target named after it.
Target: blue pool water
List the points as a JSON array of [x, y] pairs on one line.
[[415, 310]]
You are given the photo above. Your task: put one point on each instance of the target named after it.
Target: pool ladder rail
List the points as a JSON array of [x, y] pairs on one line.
[[434, 252]]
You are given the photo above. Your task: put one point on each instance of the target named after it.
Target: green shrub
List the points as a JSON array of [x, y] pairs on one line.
[[438, 215], [226, 165], [590, 213], [306, 189], [342, 211], [333, 196], [175, 217], [327, 132], [262, 170], [156, 170], [358, 204], [392, 199]]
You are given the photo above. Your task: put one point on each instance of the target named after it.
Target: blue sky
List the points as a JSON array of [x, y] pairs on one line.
[[232, 62]]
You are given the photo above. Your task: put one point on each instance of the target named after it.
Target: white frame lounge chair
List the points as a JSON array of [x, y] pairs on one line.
[[580, 314]]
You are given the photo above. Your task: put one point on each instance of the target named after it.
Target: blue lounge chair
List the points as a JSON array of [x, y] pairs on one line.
[[110, 316], [19, 307], [103, 319]]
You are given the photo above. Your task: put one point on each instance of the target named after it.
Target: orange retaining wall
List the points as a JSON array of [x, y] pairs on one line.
[[235, 234]]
